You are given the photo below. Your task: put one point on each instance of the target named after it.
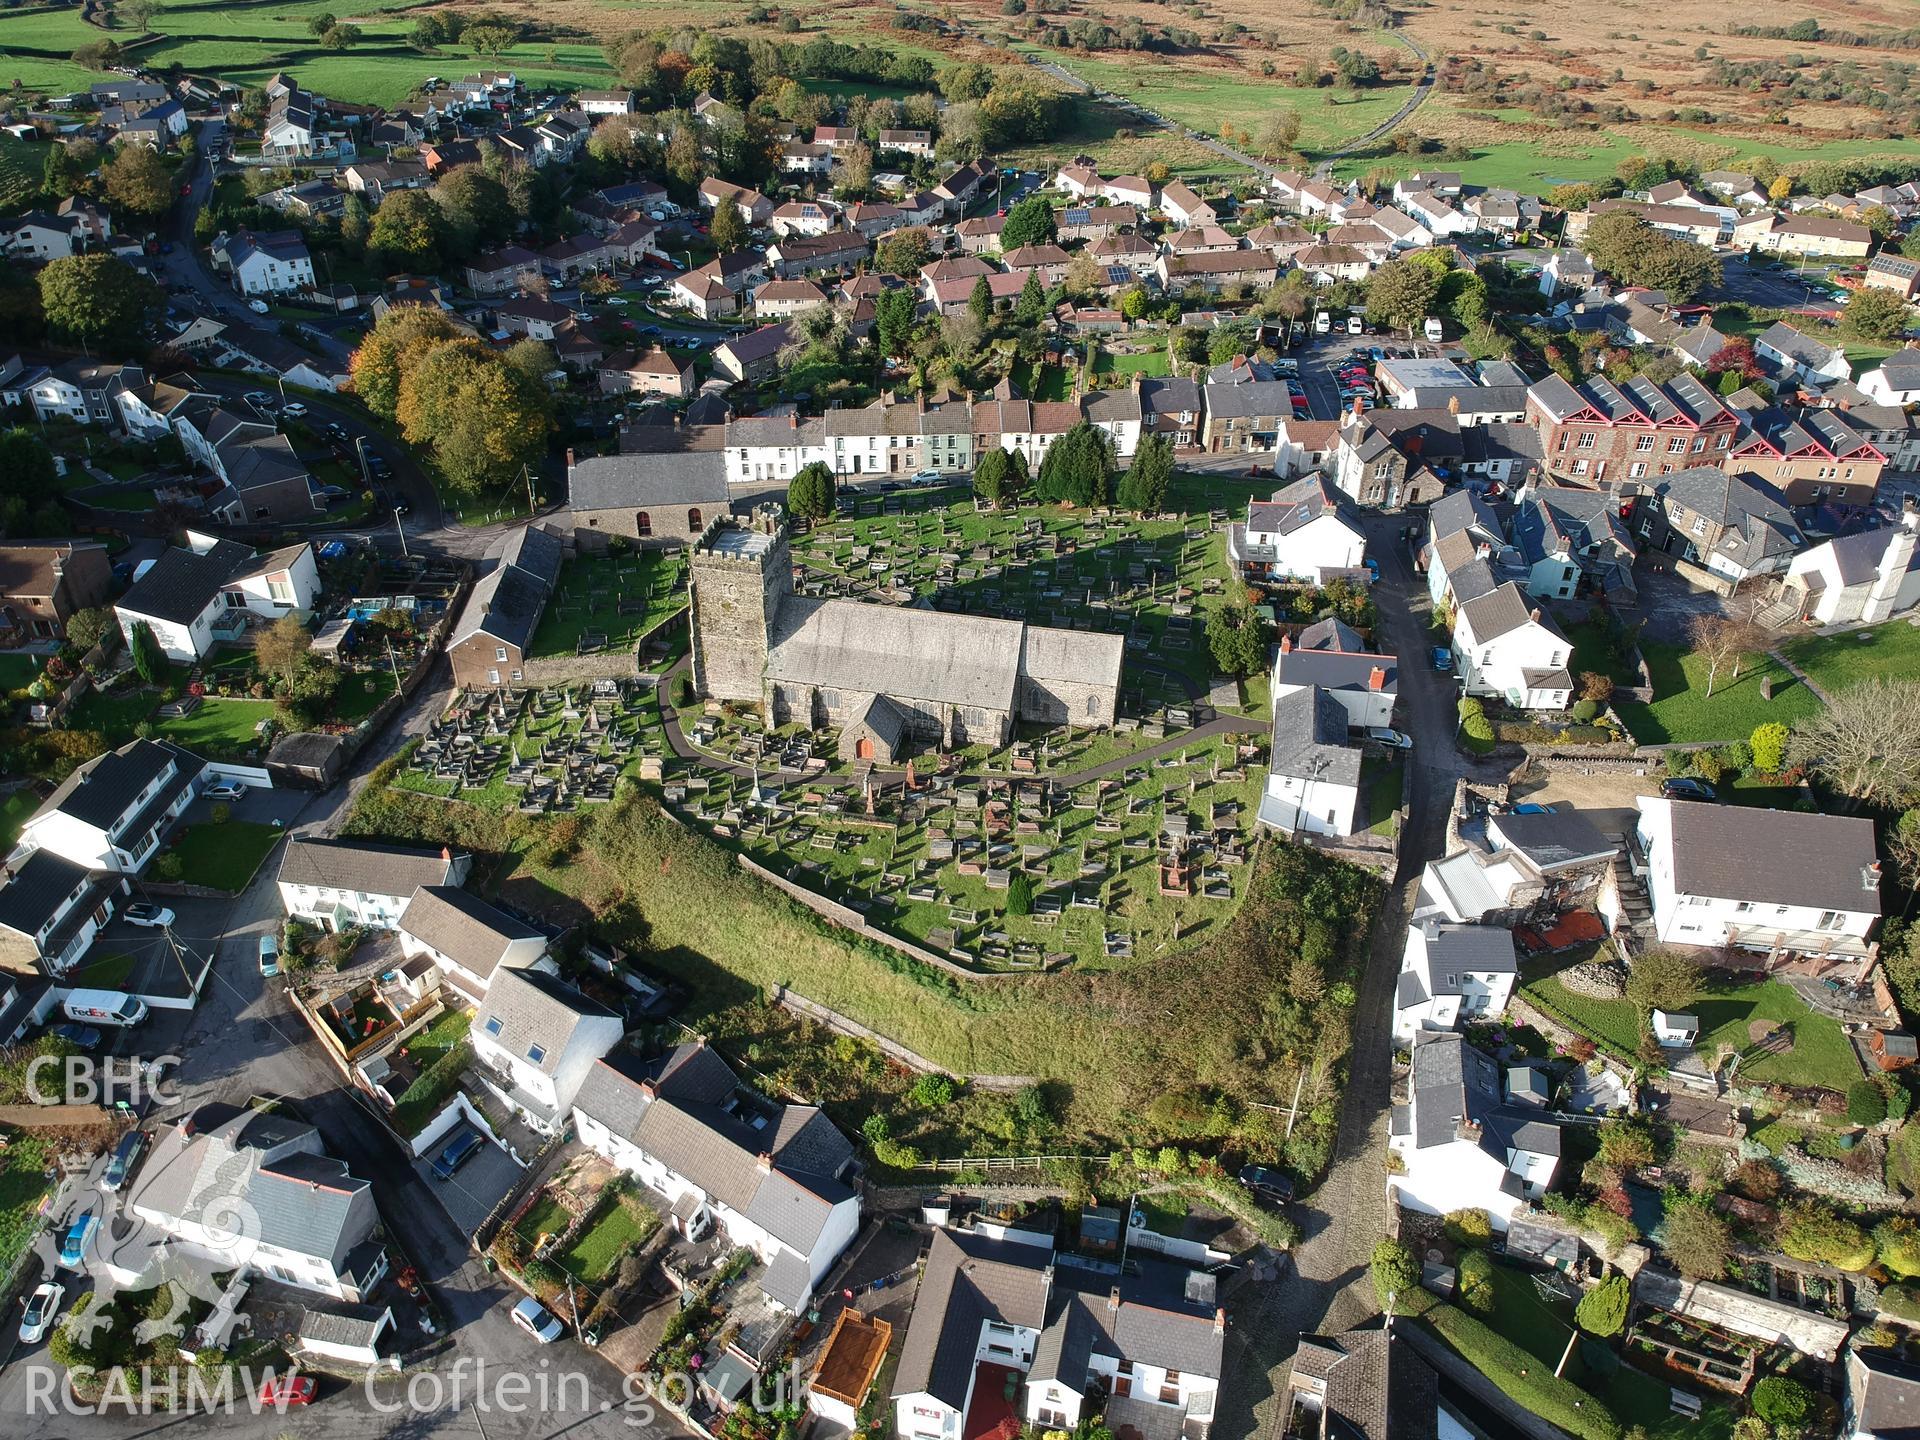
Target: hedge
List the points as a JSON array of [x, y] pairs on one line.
[[1558, 1402]]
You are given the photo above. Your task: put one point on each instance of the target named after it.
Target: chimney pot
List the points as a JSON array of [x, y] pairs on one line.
[[569, 461], [649, 1089], [764, 1161], [446, 853], [1113, 1298], [1220, 1320]]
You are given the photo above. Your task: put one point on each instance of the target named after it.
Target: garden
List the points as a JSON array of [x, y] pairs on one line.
[[440, 1052], [1833, 662], [220, 854], [1683, 711]]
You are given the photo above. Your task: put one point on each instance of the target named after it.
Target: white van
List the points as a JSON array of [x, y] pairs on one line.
[[105, 1007], [1434, 332], [1355, 326], [1322, 323]]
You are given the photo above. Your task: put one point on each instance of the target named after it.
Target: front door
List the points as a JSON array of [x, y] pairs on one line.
[[863, 748]]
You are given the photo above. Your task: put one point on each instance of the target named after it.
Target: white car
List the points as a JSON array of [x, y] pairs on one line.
[[294, 411], [148, 917], [227, 790], [259, 307], [531, 1316], [1392, 739], [927, 477], [42, 1308]]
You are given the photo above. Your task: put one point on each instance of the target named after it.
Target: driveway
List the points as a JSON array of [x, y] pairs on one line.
[[477, 1186]]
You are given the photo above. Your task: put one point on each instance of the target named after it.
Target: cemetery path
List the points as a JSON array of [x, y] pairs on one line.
[[684, 749]]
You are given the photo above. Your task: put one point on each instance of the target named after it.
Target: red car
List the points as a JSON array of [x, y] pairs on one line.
[[288, 1390]]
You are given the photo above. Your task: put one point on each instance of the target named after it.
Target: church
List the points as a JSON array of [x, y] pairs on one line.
[[885, 675]]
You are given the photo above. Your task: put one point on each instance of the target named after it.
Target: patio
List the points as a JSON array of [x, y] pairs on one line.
[[992, 1412]]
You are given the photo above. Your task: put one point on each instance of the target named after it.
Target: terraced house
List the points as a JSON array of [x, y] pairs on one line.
[[1598, 430]]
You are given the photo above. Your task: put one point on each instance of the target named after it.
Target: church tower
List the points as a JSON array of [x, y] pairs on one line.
[[741, 575]]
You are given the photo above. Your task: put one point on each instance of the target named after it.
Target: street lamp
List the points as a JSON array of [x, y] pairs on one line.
[[401, 531]]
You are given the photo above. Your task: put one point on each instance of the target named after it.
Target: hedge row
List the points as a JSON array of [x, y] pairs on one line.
[[1539, 1390]]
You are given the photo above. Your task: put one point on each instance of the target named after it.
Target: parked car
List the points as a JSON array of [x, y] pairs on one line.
[[1685, 787], [73, 1249], [260, 399], [148, 917], [456, 1152], [269, 956], [927, 477], [294, 411], [259, 307], [1373, 569], [531, 1316], [1391, 738], [1267, 1184], [1355, 325], [226, 790], [42, 1306], [85, 1036], [1442, 658], [284, 1391], [126, 1155]]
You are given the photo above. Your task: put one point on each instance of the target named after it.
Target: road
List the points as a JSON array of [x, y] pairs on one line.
[[1421, 90], [1326, 1288]]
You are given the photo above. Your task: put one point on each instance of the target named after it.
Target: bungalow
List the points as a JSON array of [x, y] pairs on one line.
[[1461, 1142], [360, 884], [1505, 646], [605, 102], [1781, 883], [772, 1178], [192, 598]]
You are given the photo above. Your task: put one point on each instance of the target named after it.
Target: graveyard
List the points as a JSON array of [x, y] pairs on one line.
[[610, 601]]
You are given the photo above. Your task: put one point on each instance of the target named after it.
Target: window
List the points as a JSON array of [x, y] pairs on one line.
[[1743, 907], [1586, 440], [536, 1053], [1699, 443], [1643, 444], [1829, 920], [1677, 445], [492, 1025], [499, 652], [1635, 471], [693, 521]]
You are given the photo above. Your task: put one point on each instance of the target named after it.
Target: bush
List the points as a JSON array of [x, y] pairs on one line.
[[1736, 757], [1523, 1378], [1470, 1228], [1812, 1232], [1020, 894], [1898, 1243], [1707, 766], [221, 813], [1602, 1311], [1470, 706], [1477, 732], [1395, 1272], [1866, 1105], [1584, 710], [1782, 1402], [1758, 1180], [1768, 743], [932, 1092], [1474, 1282], [1698, 1240]]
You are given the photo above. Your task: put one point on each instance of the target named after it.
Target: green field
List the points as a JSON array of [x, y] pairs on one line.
[[1891, 651], [1683, 712], [20, 165]]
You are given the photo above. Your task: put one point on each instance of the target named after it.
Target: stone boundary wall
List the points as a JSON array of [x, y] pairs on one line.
[[834, 1020]]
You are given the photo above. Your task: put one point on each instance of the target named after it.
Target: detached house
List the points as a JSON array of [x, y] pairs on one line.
[[1734, 525], [1863, 577], [535, 1038], [1461, 1143], [772, 1178], [1777, 882], [269, 264], [193, 598], [1503, 645], [1306, 531], [1801, 357], [42, 584], [345, 884], [114, 810], [489, 642], [1313, 773], [466, 938], [1002, 1334], [1450, 974], [51, 909]]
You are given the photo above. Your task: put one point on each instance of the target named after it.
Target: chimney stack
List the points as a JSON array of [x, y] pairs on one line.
[[1113, 1299], [569, 462], [1377, 678], [446, 853], [1220, 1320], [793, 419], [764, 1161], [1534, 615], [1286, 644]]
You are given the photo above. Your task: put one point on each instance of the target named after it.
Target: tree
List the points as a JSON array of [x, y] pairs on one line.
[[1875, 314], [1075, 470], [1400, 294], [1395, 1273], [483, 421], [1029, 222], [1780, 189], [903, 252], [138, 182], [428, 33], [87, 628], [728, 230], [1783, 1403], [1134, 303], [68, 167], [1144, 487], [403, 335], [138, 14], [1020, 894], [532, 358], [1866, 1105], [97, 297], [1697, 1239], [1280, 135], [148, 661], [1722, 640], [282, 647], [1866, 742], [980, 302], [1769, 746], [356, 225], [339, 37], [990, 476], [1903, 848], [1663, 980], [1473, 1282], [1031, 307], [321, 23], [475, 206], [1237, 640], [893, 315], [491, 38], [410, 231], [26, 465], [1602, 1311], [1632, 251], [810, 494]]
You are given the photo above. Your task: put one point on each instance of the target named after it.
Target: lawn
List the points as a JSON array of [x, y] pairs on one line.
[[223, 857], [1384, 784], [113, 712], [1682, 711], [1821, 1054], [546, 1216], [1837, 661], [14, 810], [18, 671], [618, 596], [109, 972], [596, 1251], [1592, 650], [360, 693], [1151, 363], [218, 727]]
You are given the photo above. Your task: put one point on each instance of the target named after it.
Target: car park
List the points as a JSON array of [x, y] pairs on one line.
[[148, 917], [126, 1155], [534, 1318], [232, 789], [42, 1306], [269, 956]]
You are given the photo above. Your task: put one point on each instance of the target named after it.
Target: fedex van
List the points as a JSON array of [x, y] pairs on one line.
[[105, 1007]]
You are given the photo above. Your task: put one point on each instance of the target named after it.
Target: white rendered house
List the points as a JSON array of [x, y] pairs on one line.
[[1452, 973], [192, 599], [1779, 882], [1503, 645], [536, 1037], [341, 884], [1306, 531], [1862, 577], [466, 938], [1461, 1143], [114, 810]]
